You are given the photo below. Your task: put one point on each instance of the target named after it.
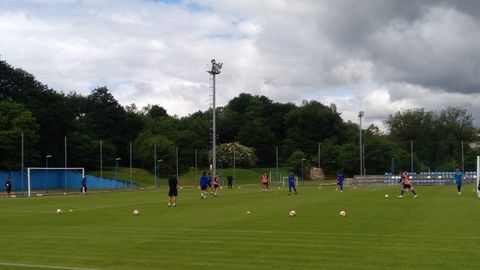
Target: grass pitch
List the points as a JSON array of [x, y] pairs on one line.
[[438, 230]]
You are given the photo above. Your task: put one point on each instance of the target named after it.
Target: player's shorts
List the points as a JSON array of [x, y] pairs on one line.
[[215, 186], [407, 186], [204, 187], [8, 190], [173, 192]]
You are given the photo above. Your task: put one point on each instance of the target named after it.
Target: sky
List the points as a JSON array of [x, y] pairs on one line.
[[376, 56]]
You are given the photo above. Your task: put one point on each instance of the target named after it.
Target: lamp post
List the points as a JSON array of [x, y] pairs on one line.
[[117, 160], [214, 70], [360, 115], [46, 172], [302, 171], [158, 166]]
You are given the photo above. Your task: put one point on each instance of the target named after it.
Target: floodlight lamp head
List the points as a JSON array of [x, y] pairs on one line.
[[118, 158], [48, 156], [215, 68], [360, 114]]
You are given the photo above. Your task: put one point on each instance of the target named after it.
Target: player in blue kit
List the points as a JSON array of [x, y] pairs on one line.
[[340, 178], [204, 181], [291, 184], [457, 178]]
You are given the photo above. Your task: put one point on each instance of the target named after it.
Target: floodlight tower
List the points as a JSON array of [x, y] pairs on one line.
[[214, 70]]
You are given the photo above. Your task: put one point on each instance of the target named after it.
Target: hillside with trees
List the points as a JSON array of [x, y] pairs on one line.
[[251, 124]]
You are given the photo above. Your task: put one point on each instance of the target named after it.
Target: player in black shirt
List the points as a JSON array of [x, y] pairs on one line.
[[172, 193], [8, 186]]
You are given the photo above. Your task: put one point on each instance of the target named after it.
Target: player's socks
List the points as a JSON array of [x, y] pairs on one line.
[[414, 193], [168, 204]]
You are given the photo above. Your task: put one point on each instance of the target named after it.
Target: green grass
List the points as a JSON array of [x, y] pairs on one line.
[[438, 230]]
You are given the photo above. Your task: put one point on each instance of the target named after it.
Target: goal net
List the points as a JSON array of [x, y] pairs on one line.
[[53, 180]]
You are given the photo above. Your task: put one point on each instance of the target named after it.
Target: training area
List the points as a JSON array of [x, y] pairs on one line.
[[239, 135], [244, 229]]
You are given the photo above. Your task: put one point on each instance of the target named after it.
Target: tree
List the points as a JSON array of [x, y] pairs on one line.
[[295, 163], [312, 123], [15, 119], [437, 136], [257, 135], [244, 156], [155, 111]]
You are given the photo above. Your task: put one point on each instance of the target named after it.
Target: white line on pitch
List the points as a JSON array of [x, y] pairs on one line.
[[44, 266]]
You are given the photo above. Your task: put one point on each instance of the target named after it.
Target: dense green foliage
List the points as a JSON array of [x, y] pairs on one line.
[[438, 230], [47, 117]]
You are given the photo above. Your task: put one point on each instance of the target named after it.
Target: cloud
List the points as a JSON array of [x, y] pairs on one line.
[[379, 56]]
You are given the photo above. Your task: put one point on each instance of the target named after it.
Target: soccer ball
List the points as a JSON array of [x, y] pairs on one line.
[[248, 212], [59, 211], [292, 213], [136, 212], [386, 195], [343, 213]]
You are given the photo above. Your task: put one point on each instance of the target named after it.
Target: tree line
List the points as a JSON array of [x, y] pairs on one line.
[[254, 125]]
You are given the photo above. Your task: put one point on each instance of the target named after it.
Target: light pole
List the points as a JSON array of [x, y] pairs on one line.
[[360, 115], [214, 70], [117, 160], [158, 166], [46, 172], [302, 171]]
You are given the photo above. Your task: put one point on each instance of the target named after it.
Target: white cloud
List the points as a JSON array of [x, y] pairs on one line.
[[379, 58]]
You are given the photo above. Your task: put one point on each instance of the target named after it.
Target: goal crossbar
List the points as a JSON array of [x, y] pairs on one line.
[[44, 168]]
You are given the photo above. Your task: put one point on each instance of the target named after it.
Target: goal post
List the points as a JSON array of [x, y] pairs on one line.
[[40, 178]]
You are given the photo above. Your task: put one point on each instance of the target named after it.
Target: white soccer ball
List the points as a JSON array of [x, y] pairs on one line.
[[59, 211], [386, 195], [292, 213], [343, 213], [136, 212], [248, 212]]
